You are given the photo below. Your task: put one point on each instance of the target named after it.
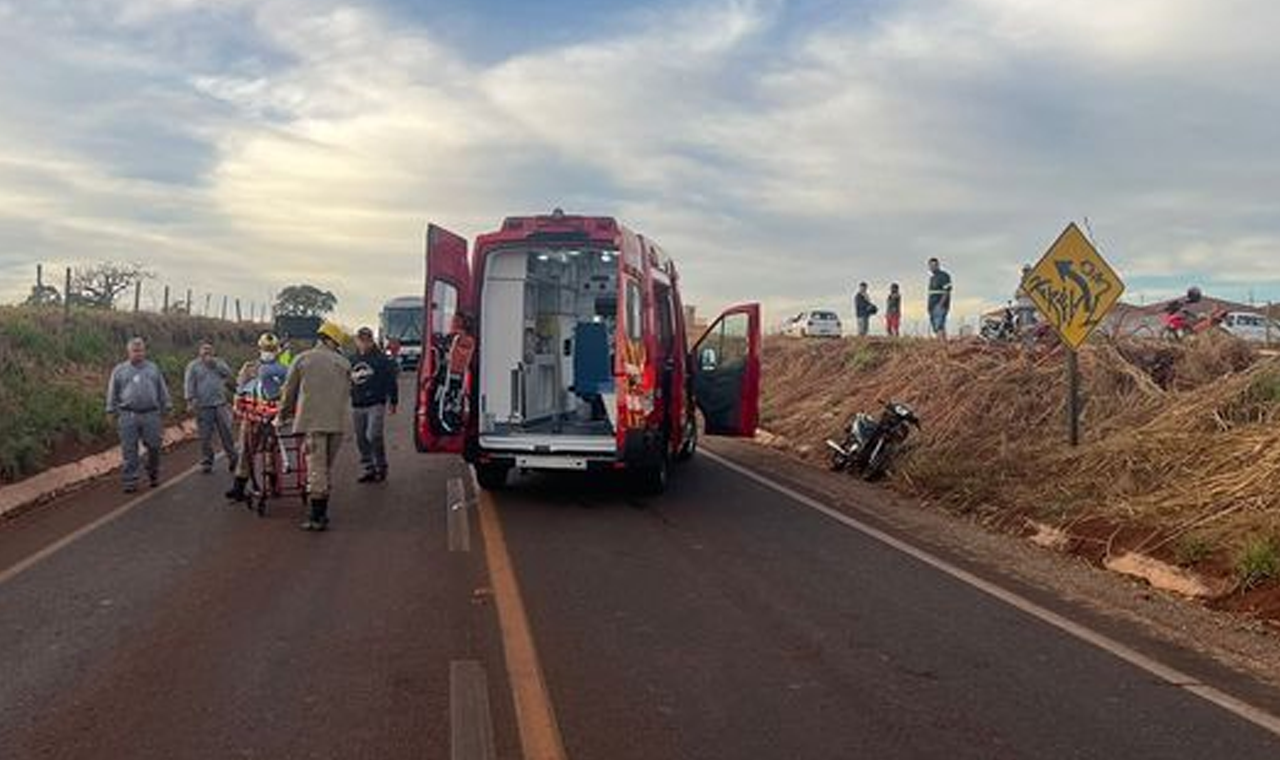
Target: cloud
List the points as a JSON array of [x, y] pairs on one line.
[[248, 145]]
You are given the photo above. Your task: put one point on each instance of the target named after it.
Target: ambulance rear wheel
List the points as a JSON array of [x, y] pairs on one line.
[[651, 480], [492, 476]]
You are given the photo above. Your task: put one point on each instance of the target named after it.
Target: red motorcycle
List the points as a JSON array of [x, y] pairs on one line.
[[1183, 323]]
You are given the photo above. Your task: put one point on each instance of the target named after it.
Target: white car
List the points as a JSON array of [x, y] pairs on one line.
[[814, 324], [1250, 327]]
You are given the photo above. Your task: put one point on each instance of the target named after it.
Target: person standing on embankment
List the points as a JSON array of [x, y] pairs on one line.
[[863, 310], [893, 312], [939, 298], [138, 398]]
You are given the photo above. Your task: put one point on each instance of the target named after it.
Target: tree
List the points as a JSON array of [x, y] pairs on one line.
[[99, 285], [305, 301], [44, 295]]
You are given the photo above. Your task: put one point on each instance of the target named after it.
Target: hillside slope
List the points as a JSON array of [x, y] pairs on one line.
[[1180, 447], [53, 378]]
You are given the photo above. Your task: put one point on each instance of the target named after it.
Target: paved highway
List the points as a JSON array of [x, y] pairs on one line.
[[727, 619]]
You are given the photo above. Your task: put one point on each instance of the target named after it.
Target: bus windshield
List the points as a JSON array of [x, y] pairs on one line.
[[402, 324]]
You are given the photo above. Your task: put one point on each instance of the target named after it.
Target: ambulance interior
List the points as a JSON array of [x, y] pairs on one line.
[[547, 348]]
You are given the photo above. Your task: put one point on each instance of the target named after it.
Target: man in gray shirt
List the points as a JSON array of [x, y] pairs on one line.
[[138, 398], [205, 384]]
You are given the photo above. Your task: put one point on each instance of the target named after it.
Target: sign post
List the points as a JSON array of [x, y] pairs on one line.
[[1074, 288], [1073, 396]]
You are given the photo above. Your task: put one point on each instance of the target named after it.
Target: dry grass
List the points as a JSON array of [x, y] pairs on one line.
[[1178, 438]]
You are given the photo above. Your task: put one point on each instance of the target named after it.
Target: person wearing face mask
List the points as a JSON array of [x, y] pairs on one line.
[[261, 379]]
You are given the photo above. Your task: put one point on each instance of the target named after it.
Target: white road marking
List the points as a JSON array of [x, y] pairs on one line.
[[1166, 673], [459, 521], [13, 571], [470, 719]]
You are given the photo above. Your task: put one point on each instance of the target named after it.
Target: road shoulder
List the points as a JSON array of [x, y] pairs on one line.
[[1216, 646]]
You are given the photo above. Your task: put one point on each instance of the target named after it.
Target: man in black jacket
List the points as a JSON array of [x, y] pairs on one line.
[[374, 394], [863, 309]]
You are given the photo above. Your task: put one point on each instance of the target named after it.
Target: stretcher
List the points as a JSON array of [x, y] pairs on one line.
[[276, 456]]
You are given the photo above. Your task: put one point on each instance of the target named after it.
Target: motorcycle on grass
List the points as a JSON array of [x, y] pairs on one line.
[[868, 445]]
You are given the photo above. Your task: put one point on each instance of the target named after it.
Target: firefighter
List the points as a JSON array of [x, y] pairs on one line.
[[318, 391]]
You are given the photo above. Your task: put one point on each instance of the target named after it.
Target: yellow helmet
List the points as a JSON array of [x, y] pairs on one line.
[[333, 332], [268, 342]]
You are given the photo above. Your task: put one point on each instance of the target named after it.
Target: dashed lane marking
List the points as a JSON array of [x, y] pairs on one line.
[[458, 519], [470, 719]]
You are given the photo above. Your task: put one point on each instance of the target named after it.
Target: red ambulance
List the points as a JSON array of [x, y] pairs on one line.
[[560, 343]]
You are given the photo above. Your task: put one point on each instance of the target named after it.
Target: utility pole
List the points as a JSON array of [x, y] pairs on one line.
[[191, 306], [137, 296], [238, 318], [224, 308], [166, 299], [208, 299]]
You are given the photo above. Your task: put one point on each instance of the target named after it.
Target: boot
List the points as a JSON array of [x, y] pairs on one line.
[[318, 519], [237, 492]]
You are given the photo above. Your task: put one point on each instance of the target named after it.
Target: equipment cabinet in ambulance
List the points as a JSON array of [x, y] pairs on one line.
[[560, 343]]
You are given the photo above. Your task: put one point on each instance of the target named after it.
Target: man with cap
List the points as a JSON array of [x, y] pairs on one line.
[[374, 394], [318, 392]]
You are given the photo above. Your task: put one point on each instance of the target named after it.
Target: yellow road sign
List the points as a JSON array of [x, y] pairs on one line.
[[1073, 286]]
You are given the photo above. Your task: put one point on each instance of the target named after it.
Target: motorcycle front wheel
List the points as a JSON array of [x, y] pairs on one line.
[[838, 461]]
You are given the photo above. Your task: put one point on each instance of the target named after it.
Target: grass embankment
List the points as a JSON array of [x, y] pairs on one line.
[[53, 376], [1180, 456]]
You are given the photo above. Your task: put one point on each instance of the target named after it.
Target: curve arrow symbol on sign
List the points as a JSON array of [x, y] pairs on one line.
[[1067, 271]]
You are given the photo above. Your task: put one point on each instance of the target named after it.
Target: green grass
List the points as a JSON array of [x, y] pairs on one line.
[[1265, 388], [864, 357], [53, 375], [1258, 563], [1189, 551]]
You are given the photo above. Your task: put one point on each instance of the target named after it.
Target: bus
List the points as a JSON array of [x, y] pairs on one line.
[[400, 330]]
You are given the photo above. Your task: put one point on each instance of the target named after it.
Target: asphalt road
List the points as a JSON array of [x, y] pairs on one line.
[[188, 628], [723, 620]]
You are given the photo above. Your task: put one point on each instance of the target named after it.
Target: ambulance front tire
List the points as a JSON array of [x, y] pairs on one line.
[[492, 476]]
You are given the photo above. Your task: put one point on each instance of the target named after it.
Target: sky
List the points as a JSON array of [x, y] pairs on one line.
[[780, 150]]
